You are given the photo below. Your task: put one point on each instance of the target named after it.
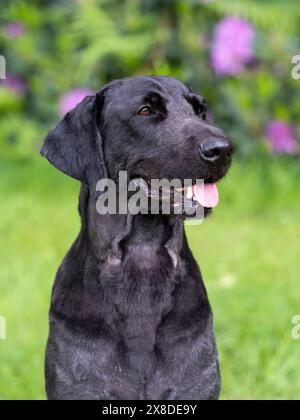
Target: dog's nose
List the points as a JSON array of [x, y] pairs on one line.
[[216, 150]]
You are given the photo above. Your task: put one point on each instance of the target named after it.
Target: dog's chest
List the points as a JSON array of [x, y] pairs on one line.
[[142, 296]]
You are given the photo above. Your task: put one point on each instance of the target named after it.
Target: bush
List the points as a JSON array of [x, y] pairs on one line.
[[54, 47]]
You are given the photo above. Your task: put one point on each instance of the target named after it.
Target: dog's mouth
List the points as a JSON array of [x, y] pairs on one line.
[[206, 194], [192, 195]]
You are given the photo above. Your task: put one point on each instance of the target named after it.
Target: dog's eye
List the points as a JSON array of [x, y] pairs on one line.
[[201, 112], [199, 105], [203, 115], [146, 111]]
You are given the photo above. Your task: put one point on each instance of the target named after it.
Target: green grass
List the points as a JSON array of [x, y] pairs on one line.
[[248, 252]]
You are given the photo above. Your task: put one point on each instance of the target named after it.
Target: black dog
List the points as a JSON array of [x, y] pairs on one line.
[[130, 317]]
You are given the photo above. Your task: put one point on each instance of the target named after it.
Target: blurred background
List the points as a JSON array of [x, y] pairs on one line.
[[239, 55]]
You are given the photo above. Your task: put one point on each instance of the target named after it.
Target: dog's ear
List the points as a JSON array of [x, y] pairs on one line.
[[75, 146]]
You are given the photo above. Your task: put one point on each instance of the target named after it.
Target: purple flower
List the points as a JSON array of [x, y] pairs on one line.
[[73, 98], [14, 29], [232, 46], [281, 138], [14, 84]]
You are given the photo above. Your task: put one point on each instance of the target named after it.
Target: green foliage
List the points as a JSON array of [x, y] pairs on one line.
[[272, 15], [69, 44]]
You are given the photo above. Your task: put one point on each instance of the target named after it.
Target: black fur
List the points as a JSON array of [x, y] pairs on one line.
[[137, 325]]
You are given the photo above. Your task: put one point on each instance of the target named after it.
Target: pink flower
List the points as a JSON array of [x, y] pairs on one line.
[[281, 138], [72, 98], [232, 46], [14, 29], [14, 84]]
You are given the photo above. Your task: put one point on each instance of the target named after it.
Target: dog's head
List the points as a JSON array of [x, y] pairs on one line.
[[152, 127]]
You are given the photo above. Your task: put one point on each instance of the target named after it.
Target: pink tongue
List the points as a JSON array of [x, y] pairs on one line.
[[207, 195]]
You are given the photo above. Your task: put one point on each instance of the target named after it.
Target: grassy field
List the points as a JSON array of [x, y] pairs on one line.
[[249, 252]]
